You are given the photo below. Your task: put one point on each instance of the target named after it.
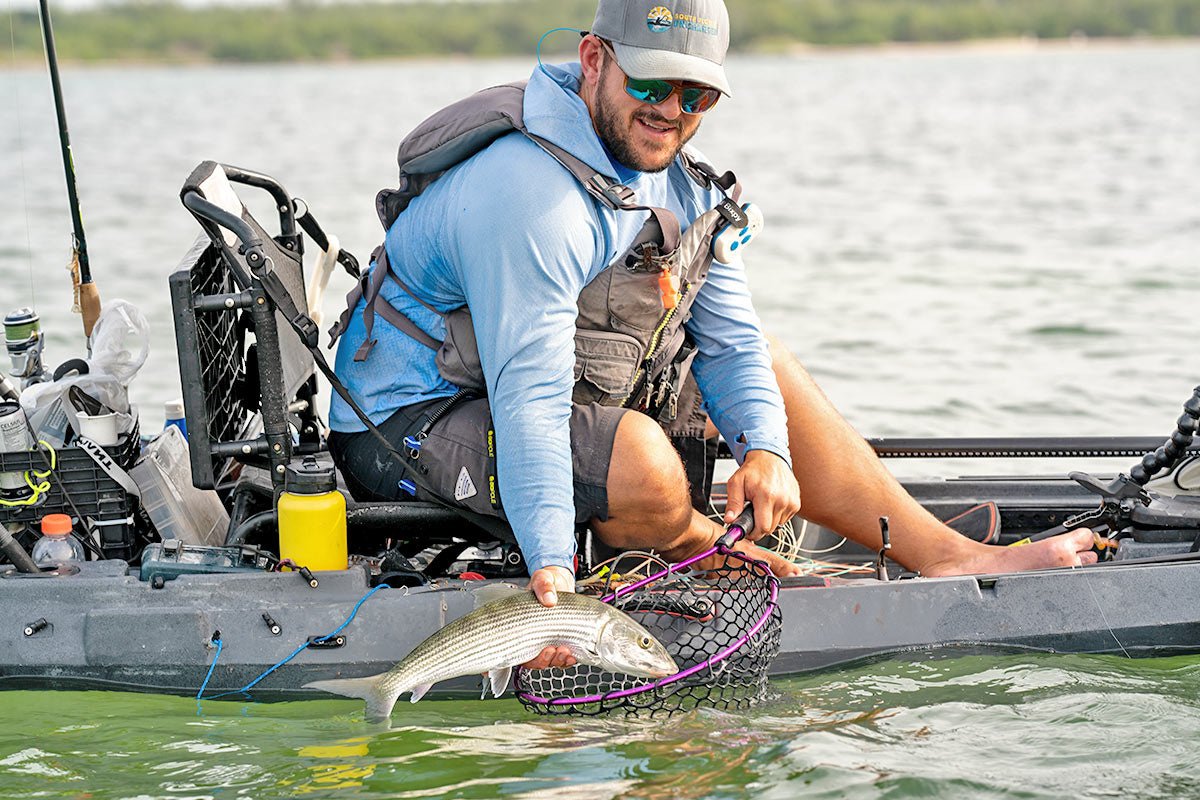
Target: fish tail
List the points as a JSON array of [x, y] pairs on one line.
[[371, 689]]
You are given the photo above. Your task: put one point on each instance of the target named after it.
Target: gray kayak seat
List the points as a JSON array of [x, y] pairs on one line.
[[248, 372]]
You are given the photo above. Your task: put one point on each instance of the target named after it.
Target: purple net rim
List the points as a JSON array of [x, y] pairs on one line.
[[681, 675]]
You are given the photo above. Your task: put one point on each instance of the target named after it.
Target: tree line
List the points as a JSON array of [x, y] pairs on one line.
[[165, 31]]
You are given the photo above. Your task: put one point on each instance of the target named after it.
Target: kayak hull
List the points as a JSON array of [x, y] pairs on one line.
[[105, 628]]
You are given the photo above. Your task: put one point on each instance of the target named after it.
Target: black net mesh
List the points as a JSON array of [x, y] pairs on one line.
[[699, 619]]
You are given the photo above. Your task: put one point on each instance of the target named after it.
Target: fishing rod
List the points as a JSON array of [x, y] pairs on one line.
[[87, 295]]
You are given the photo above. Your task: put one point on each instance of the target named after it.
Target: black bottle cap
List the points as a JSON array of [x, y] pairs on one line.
[[310, 476]]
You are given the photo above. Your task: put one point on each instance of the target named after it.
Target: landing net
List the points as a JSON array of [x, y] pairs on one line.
[[721, 626]]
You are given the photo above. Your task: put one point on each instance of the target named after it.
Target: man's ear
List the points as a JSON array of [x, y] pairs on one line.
[[591, 58]]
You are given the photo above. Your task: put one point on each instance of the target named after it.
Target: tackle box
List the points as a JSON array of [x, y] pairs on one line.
[[171, 558]]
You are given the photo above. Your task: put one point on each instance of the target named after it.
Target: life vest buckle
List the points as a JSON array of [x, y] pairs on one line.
[[616, 193]]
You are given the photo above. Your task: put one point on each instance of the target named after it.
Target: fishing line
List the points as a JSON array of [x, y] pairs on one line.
[[12, 37], [1088, 582], [787, 540]]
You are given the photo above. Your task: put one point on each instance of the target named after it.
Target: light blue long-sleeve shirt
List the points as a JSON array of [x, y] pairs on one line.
[[513, 235]]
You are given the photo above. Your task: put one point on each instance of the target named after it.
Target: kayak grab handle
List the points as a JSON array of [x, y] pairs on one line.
[[214, 213]]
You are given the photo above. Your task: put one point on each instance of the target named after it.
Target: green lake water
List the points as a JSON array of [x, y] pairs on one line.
[[970, 727]]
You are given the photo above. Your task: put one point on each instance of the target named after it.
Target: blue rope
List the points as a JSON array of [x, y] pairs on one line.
[[294, 653], [217, 641]]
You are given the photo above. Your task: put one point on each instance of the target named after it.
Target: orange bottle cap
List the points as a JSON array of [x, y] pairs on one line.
[[56, 524]]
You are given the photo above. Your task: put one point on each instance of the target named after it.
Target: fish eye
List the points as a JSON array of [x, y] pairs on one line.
[[644, 642]]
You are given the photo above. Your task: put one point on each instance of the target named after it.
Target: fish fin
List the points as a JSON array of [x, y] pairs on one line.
[[379, 702], [494, 591], [419, 691], [499, 677]]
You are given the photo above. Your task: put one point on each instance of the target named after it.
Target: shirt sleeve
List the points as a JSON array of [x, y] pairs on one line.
[[733, 365], [523, 249]]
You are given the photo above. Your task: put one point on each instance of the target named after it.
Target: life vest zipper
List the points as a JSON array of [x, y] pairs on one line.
[[642, 375]]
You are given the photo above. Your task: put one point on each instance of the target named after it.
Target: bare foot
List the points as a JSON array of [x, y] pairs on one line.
[[1066, 550]]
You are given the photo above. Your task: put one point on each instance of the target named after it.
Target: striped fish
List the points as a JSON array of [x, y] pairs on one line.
[[507, 631]]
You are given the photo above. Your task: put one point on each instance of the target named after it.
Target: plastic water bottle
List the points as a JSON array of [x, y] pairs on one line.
[[57, 546], [173, 410]]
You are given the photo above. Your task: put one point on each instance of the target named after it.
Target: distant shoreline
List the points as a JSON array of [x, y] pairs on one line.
[[1000, 45], [308, 31], [1003, 44]]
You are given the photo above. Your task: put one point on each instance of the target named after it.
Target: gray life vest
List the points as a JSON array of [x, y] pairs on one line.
[[631, 350]]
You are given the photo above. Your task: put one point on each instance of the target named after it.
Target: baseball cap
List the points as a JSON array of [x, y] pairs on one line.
[[681, 40]]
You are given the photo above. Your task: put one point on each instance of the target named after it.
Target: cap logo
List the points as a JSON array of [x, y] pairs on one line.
[[660, 19]]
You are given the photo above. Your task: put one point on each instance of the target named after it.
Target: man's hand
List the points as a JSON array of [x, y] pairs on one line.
[[765, 480], [546, 583]]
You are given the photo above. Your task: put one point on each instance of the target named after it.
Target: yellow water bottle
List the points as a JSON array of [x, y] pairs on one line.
[[312, 517]]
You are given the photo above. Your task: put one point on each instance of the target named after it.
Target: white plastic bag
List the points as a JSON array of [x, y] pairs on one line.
[[51, 413], [120, 341]]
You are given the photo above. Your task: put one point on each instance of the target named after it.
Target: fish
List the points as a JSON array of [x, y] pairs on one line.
[[503, 632]]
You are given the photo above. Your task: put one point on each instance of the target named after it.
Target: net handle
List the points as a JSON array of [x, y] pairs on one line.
[[740, 527]]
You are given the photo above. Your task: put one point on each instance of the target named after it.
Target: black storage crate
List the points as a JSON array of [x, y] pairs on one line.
[[81, 489]]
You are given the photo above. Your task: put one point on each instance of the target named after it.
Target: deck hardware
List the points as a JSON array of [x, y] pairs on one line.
[[308, 576], [881, 563], [39, 624], [158, 582], [213, 641], [322, 642], [272, 625]]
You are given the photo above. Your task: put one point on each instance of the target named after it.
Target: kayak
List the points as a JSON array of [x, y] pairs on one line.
[[161, 613], [104, 626]]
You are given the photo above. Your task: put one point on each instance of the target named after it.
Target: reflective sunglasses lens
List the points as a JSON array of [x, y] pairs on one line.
[[697, 100], [652, 92]]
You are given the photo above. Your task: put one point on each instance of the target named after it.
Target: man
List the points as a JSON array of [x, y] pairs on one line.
[[544, 264]]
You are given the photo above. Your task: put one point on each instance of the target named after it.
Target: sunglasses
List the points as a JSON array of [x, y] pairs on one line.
[[693, 98]]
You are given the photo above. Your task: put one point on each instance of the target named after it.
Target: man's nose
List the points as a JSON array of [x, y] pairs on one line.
[[671, 108]]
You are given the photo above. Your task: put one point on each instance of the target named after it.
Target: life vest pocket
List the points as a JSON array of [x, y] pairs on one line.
[[605, 366], [634, 300], [458, 358]]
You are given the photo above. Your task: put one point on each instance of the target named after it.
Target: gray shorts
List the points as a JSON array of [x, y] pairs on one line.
[[457, 457]]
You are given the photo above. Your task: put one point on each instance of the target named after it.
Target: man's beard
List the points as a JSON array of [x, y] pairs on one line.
[[608, 126]]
